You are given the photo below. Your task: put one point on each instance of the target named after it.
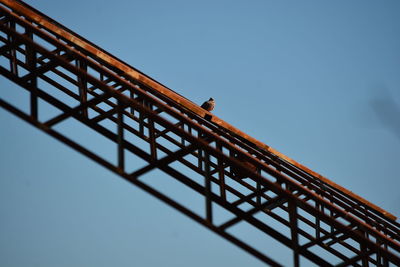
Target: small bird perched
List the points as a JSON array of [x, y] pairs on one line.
[[209, 105]]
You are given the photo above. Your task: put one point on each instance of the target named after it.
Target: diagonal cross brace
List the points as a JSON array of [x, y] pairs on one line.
[[165, 161], [77, 109], [271, 204], [46, 67]]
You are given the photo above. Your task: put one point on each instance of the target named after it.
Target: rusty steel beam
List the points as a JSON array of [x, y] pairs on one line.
[[269, 230], [268, 205], [122, 67], [141, 185], [281, 159], [216, 151]]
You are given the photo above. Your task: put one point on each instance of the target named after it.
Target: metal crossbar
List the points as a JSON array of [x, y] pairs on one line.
[[255, 185]]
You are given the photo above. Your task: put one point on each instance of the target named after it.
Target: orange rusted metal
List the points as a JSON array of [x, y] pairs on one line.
[[128, 70], [275, 187]]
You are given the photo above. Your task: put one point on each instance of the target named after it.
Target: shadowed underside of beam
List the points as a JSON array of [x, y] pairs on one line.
[[155, 125]]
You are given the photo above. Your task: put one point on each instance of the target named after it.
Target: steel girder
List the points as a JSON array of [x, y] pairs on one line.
[[83, 87]]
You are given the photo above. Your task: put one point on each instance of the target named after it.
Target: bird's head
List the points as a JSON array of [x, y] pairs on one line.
[[211, 99]]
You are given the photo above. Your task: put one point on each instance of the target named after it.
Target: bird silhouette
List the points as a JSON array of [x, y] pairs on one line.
[[209, 104]]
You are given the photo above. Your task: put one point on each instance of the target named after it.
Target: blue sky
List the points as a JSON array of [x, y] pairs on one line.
[[317, 80]]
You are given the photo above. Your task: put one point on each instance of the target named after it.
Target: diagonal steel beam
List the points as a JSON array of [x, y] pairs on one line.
[[165, 161], [256, 253], [302, 189], [47, 67], [328, 219], [353, 261], [74, 111], [269, 205]]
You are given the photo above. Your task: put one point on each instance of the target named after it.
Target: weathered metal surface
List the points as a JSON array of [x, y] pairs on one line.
[[214, 151], [128, 70]]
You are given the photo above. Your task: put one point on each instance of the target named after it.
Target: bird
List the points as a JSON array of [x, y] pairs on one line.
[[209, 104]]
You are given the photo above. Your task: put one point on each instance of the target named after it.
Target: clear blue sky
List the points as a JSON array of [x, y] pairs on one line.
[[317, 80]]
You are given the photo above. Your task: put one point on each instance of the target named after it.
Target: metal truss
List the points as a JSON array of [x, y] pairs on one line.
[[321, 222]]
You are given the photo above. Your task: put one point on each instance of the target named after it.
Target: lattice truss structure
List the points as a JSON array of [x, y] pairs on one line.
[[240, 183]]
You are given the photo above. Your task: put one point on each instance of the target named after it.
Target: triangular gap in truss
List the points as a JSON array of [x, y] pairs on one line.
[[46, 44], [263, 242], [175, 190], [132, 161], [47, 111], [12, 93], [89, 138]]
